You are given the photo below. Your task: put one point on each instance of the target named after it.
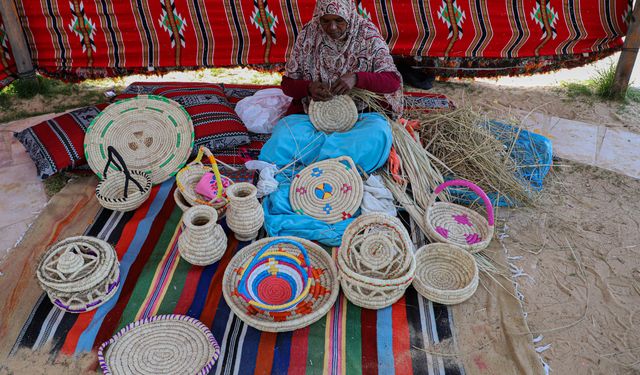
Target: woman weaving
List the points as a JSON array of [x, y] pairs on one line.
[[335, 52]]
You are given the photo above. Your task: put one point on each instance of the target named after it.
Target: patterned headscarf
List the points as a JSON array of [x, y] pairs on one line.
[[318, 57]]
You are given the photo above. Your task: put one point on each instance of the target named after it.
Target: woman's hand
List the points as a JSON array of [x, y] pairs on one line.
[[319, 91], [344, 84]]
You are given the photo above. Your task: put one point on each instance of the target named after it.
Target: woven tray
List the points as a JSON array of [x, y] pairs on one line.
[[338, 114], [152, 133], [163, 344], [321, 297], [79, 273], [445, 273], [330, 190]]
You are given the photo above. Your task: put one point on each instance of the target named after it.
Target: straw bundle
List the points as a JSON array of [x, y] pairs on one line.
[[463, 141]]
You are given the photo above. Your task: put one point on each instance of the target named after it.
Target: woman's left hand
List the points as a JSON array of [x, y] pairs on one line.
[[344, 84]]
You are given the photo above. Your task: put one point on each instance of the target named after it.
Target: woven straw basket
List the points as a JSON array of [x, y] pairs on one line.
[[445, 273], [322, 294], [330, 190], [115, 192], [189, 176], [180, 201], [336, 115], [375, 261], [152, 133], [245, 215], [163, 344], [458, 225], [203, 241], [79, 273]]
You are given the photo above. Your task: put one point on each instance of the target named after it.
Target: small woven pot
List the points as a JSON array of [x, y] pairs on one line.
[[189, 176], [330, 190], [338, 114], [124, 191], [458, 225], [322, 295], [202, 242], [244, 213], [79, 273], [162, 344], [445, 273], [375, 262]]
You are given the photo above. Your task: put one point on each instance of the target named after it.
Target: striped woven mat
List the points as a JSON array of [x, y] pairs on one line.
[[156, 280]]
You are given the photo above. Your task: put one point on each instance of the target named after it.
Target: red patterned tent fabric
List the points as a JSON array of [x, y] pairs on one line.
[[103, 37], [8, 65]]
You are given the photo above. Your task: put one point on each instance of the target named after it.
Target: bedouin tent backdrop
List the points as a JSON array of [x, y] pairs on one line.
[[89, 38]]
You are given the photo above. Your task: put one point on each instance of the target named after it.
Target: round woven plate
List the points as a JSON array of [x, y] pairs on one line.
[[330, 190], [445, 273], [152, 133], [79, 273], [321, 297], [163, 344], [336, 115]]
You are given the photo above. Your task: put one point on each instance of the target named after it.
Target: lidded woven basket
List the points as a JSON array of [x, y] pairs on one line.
[[189, 176], [79, 273], [445, 273], [338, 114], [375, 262], [122, 189], [458, 225]]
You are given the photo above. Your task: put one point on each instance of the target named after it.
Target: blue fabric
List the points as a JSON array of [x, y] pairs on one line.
[[295, 139], [532, 151]]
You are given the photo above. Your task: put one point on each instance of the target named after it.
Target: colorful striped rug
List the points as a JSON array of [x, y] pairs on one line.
[[349, 340]]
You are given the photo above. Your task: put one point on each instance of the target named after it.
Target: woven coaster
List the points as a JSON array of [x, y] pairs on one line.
[[330, 190], [163, 344], [321, 295], [152, 133]]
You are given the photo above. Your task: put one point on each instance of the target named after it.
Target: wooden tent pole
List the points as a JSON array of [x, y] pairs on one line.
[[19, 46], [628, 55]]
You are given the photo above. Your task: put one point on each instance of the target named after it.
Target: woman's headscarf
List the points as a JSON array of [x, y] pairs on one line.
[[318, 57]]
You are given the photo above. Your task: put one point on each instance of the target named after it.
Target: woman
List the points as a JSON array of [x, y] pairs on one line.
[[335, 52]]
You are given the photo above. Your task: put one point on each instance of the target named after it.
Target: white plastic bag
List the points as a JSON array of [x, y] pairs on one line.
[[377, 198], [267, 183], [261, 111]]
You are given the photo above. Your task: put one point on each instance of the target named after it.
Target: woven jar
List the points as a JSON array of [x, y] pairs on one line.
[[202, 242], [244, 213]]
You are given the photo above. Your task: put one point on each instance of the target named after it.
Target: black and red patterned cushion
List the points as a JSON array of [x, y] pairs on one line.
[[216, 124]]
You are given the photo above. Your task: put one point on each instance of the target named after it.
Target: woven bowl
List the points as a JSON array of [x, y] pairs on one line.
[[189, 176], [110, 191], [330, 190], [375, 262], [275, 279], [338, 114], [458, 225], [163, 344], [181, 202], [445, 273], [322, 294], [79, 273]]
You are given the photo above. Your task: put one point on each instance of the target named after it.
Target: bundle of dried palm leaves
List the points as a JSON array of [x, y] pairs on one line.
[[463, 140]]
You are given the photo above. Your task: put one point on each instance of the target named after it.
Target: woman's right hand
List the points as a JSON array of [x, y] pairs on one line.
[[319, 91]]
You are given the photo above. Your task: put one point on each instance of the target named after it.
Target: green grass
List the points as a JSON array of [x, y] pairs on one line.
[[55, 183], [600, 86]]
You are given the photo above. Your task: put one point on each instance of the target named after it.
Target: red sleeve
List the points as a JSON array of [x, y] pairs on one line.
[[381, 83], [295, 88]]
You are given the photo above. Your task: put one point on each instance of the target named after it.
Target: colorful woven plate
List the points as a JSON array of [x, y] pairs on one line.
[[330, 190], [322, 294], [152, 133], [163, 344]]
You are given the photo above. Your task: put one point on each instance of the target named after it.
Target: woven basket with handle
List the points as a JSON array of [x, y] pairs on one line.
[[458, 225], [124, 191]]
